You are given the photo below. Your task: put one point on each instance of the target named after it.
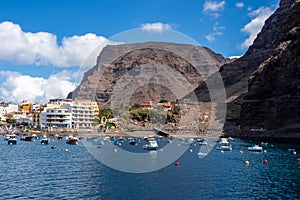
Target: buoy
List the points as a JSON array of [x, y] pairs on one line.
[[294, 152], [195, 145], [116, 150], [265, 161], [161, 150], [222, 151], [298, 160], [265, 151], [272, 146], [247, 162], [53, 147], [178, 144], [241, 152], [177, 163], [191, 150], [119, 144]]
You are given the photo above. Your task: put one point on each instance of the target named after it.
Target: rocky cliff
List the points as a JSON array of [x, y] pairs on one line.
[[273, 95], [147, 71]]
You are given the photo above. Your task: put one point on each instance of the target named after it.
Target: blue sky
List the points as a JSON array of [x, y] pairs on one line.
[[43, 42]]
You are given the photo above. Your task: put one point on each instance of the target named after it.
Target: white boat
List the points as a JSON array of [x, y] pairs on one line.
[[223, 141], [45, 140], [12, 139], [72, 140], [152, 145], [255, 148], [6, 137], [224, 148]]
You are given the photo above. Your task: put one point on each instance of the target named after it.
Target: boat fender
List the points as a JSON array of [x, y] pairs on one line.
[[265, 161], [247, 162]]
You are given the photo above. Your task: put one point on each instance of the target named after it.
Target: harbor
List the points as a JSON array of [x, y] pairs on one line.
[[32, 170]]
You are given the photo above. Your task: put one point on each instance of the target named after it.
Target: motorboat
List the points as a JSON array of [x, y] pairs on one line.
[[223, 141], [26, 138], [12, 139], [72, 140], [60, 137], [152, 145], [6, 137], [224, 148], [45, 140], [255, 148]]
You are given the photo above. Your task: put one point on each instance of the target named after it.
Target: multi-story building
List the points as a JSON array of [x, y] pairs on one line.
[[56, 117], [83, 112], [67, 113]]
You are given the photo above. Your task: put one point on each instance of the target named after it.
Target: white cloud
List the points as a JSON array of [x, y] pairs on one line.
[[213, 6], [217, 32], [212, 37], [41, 48], [17, 87], [254, 27], [157, 27], [239, 4]]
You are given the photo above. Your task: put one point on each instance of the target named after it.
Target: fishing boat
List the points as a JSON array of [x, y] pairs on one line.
[[255, 148], [152, 144], [12, 139], [45, 140], [72, 140]]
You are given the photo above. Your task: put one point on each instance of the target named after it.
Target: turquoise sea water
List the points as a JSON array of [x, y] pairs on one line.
[[30, 170]]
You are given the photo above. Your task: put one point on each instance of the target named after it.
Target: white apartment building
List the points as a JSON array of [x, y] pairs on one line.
[[83, 113], [70, 114], [56, 117]]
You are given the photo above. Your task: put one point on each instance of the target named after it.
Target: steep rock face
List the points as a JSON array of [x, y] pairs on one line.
[[237, 73], [273, 97], [119, 62]]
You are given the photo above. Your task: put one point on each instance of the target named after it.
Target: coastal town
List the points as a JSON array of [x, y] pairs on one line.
[[66, 115]]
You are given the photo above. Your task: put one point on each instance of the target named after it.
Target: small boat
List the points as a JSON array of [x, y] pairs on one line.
[[152, 145], [72, 140], [45, 140], [291, 150], [12, 139], [255, 148], [132, 141], [223, 141], [26, 138], [6, 137], [224, 148], [60, 137]]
